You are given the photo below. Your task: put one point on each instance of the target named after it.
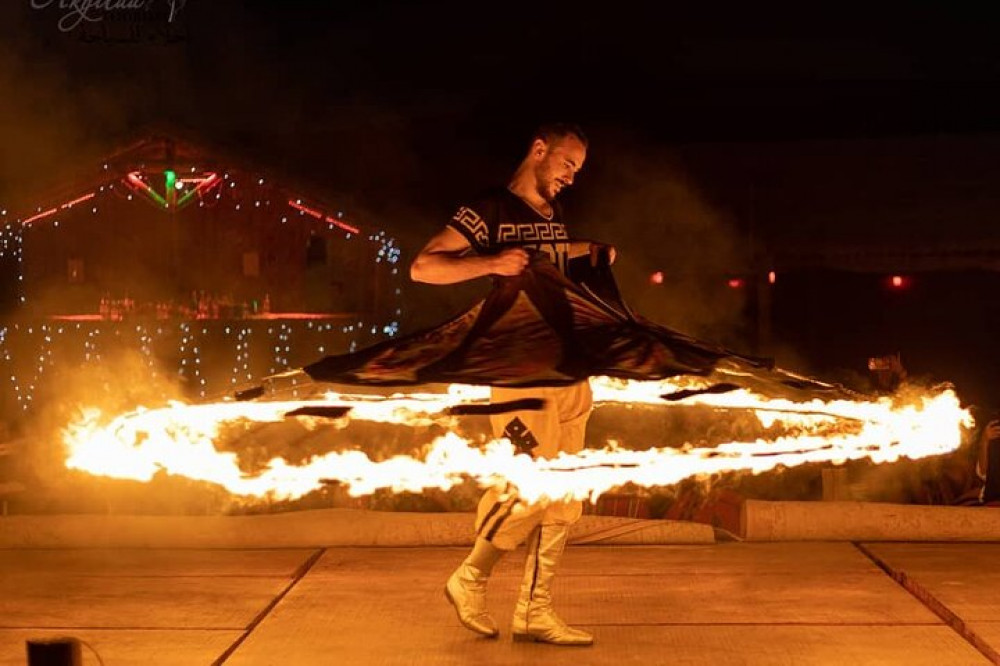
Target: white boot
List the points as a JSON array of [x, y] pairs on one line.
[[466, 589], [534, 618]]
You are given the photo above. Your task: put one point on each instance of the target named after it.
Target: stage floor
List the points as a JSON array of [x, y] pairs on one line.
[[725, 603]]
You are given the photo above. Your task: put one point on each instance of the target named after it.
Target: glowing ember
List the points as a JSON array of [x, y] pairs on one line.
[[179, 439]]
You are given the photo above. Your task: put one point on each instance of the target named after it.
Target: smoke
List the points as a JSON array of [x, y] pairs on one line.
[[68, 101], [37, 128], [640, 198], [122, 381], [633, 195]]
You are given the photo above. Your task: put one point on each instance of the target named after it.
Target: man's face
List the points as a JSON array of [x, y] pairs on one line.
[[557, 164]]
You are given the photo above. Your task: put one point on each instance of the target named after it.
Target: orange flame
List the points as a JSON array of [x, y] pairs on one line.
[[179, 439]]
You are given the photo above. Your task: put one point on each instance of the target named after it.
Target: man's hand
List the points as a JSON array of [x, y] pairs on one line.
[[991, 432], [510, 262], [596, 249]]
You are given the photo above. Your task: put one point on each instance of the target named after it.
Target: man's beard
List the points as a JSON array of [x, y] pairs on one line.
[[545, 192], [544, 186]]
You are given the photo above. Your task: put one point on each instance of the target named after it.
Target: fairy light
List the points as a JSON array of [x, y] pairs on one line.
[[28, 353]]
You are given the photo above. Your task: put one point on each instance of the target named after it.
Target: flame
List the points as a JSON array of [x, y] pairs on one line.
[[179, 439]]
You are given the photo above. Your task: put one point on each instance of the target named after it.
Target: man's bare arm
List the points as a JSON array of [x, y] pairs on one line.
[[447, 258]]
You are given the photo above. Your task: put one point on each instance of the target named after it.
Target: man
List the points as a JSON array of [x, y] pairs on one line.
[[491, 236]]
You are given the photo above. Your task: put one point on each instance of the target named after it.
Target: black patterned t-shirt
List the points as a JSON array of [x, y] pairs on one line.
[[501, 219]]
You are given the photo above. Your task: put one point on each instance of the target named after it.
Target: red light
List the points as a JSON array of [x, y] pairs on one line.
[[735, 283], [898, 282], [343, 225], [772, 277], [656, 278], [40, 216], [319, 216], [70, 204], [305, 209]]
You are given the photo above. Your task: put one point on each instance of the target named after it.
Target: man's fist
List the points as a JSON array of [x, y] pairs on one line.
[[509, 262], [596, 249], [992, 431]]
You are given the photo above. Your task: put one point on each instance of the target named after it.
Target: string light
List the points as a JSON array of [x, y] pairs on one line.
[[199, 350], [28, 353]]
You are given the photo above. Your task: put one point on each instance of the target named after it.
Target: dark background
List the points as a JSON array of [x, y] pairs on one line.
[[725, 142]]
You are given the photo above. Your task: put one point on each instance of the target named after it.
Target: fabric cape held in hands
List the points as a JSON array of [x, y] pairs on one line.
[[542, 329]]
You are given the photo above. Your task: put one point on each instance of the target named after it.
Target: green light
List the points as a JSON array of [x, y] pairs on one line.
[[171, 177]]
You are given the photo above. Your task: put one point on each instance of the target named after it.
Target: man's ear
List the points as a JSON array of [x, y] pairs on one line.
[[538, 148]]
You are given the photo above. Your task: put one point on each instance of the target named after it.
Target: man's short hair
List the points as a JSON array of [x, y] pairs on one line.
[[552, 131]]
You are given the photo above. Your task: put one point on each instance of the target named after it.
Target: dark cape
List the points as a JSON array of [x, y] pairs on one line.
[[542, 329]]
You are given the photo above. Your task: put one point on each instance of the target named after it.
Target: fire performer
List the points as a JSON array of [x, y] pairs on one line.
[[492, 236]]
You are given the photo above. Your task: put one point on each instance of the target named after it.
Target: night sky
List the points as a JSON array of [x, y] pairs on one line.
[[391, 99], [716, 133]]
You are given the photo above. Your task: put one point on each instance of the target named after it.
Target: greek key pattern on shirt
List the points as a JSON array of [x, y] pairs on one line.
[[475, 224], [539, 231]]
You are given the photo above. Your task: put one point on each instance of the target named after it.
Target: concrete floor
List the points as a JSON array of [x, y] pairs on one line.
[[726, 603]]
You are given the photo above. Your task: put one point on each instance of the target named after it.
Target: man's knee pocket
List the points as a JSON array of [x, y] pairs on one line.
[[563, 513]]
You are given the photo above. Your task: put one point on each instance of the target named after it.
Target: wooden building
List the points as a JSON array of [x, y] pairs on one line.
[[210, 268]]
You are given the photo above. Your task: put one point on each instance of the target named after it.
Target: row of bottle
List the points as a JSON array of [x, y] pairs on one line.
[[203, 305]]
